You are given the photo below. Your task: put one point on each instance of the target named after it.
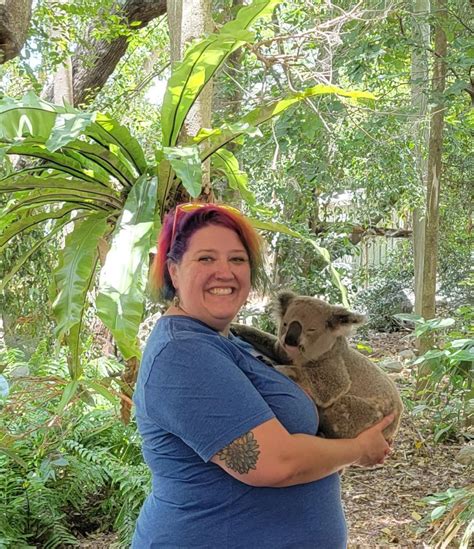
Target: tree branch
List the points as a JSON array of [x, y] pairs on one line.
[[96, 60]]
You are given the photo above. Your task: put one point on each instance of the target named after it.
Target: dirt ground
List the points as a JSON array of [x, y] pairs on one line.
[[383, 507]]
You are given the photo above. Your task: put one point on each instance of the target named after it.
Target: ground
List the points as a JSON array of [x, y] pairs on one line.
[[383, 505]]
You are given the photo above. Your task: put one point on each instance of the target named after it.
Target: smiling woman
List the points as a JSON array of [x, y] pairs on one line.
[[220, 428]]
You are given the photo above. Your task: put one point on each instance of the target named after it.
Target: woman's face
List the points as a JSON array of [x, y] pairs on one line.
[[213, 276]]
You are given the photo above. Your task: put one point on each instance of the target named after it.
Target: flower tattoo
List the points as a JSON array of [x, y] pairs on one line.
[[242, 454]]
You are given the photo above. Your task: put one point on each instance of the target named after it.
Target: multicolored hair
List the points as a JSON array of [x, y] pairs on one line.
[[182, 222]]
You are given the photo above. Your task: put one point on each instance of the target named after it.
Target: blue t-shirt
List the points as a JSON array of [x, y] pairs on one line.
[[197, 391]]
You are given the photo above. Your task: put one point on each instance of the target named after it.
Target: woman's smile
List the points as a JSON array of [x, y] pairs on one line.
[[212, 281]]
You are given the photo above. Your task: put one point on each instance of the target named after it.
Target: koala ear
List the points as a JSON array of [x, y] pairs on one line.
[[341, 321], [282, 301]]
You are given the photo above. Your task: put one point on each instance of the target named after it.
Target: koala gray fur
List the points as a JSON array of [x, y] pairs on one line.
[[350, 391]]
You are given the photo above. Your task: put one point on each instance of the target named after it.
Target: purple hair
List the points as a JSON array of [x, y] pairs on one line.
[[175, 234]]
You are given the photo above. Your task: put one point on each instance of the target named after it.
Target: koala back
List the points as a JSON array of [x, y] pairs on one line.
[[351, 392]]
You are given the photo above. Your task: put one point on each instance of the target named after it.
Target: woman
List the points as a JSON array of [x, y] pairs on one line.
[[231, 442]]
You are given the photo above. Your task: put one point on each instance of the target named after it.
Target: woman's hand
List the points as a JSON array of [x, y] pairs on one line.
[[372, 444]]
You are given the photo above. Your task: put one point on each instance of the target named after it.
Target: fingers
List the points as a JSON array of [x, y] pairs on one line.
[[385, 422]]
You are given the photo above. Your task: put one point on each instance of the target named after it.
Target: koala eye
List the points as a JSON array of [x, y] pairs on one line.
[[285, 324], [311, 330]]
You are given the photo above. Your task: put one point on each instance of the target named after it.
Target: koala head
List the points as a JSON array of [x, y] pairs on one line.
[[309, 326]]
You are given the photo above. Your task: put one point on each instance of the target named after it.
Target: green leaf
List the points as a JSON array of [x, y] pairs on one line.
[[68, 127], [14, 456], [103, 391], [186, 163], [219, 137], [166, 178], [73, 340], [73, 275], [226, 162], [49, 196], [26, 182], [280, 228], [433, 353], [439, 323], [20, 262], [462, 355], [25, 223], [410, 317], [68, 394], [107, 131], [124, 276], [62, 163], [27, 117], [200, 63], [103, 158]]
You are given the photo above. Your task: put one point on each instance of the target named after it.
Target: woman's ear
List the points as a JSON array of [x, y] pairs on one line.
[[173, 270]]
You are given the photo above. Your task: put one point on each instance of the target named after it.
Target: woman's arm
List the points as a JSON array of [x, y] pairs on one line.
[[270, 456]]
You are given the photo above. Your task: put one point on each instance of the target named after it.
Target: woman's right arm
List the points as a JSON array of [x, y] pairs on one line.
[[270, 456]]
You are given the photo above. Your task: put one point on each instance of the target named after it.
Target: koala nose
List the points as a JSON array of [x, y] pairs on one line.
[[293, 334]]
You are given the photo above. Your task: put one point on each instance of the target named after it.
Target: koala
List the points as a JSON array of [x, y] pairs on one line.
[[351, 392]]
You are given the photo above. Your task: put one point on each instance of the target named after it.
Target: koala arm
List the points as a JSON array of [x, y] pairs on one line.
[[264, 342], [329, 380]]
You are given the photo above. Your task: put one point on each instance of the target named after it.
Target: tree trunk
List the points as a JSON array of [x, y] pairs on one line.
[[188, 20], [15, 18], [94, 63], [428, 309], [419, 101], [62, 82], [434, 165]]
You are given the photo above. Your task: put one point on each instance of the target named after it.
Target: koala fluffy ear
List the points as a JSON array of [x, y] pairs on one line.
[[282, 301], [342, 321]]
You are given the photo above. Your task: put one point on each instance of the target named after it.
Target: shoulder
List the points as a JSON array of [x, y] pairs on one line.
[[180, 342]]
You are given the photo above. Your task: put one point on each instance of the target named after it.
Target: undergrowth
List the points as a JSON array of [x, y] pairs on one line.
[[68, 474]]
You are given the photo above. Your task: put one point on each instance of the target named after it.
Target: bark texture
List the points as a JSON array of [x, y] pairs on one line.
[[94, 63], [62, 82], [15, 18], [430, 263], [188, 20], [419, 101], [434, 164]]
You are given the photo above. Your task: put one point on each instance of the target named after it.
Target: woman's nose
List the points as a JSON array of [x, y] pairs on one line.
[[224, 269]]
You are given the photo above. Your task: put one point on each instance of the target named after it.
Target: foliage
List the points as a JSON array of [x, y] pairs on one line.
[[449, 393], [385, 289], [452, 516], [68, 473], [94, 176]]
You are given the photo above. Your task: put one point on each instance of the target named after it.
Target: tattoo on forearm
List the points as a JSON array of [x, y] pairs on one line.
[[242, 454]]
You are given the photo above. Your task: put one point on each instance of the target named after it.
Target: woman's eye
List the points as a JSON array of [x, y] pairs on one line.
[[239, 260], [205, 259]]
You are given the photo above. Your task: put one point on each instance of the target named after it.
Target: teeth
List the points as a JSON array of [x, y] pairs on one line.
[[220, 291]]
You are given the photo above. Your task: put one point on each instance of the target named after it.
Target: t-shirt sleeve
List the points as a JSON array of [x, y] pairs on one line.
[[196, 391]]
